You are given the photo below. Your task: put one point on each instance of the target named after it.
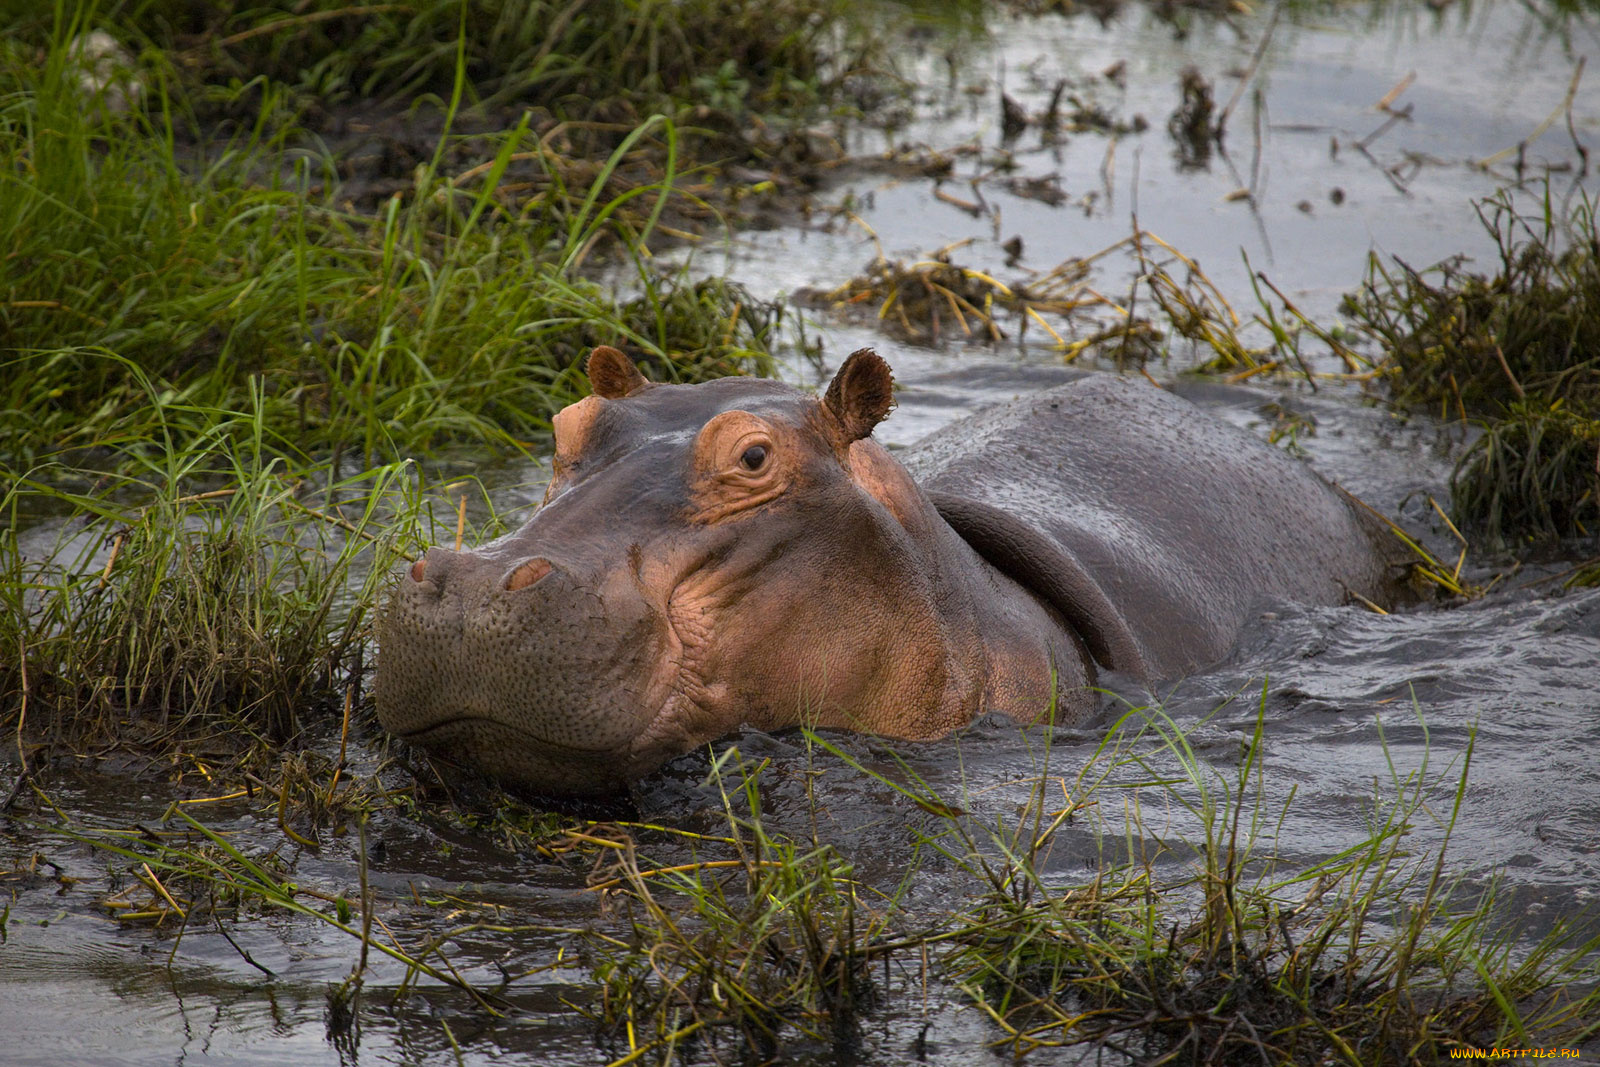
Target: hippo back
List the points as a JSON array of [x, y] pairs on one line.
[[1154, 528]]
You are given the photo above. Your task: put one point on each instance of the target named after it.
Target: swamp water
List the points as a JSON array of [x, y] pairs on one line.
[[1352, 705]]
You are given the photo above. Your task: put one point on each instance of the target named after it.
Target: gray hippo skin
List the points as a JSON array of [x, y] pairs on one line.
[[740, 552]]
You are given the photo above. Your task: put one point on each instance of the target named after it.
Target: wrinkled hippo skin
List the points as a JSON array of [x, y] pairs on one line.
[[740, 552]]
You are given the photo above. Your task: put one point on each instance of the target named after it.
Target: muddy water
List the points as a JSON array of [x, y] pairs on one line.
[[1351, 701]]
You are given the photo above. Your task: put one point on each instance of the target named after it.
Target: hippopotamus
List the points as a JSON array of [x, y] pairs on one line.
[[743, 553]]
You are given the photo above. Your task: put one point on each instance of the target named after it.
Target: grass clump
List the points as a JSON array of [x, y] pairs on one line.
[[208, 603], [1517, 352], [770, 946], [1198, 312], [932, 299]]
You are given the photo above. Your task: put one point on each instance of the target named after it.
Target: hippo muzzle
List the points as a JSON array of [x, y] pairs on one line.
[[514, 664]]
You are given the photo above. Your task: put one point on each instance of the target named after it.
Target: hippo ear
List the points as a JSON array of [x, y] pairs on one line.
[[860, 395], [613, 375]]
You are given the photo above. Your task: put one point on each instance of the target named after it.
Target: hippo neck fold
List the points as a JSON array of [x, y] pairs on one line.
[[1033, 663]]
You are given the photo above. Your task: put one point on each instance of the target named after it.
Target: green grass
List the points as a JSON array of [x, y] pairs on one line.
[[207, 601], [455, 314], [599, 60], [1372, 955], [769, 945]]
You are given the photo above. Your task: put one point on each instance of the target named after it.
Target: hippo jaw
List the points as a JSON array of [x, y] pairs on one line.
[[564, 685]]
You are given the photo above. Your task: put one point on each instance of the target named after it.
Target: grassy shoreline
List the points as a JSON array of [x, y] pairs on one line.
[[455, 313], [746, 932]]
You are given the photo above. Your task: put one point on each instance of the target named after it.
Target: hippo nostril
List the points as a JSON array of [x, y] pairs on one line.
[[418, 570], [527, 574]]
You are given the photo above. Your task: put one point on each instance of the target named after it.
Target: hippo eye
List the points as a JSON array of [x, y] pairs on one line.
[[753, 457]]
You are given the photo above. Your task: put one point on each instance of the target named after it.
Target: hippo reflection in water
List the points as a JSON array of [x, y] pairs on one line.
[[741, 552]]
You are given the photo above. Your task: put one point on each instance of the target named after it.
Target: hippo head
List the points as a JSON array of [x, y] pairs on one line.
[[732, 552]]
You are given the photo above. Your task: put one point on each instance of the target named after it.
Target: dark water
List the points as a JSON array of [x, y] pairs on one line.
[[1354, 705]]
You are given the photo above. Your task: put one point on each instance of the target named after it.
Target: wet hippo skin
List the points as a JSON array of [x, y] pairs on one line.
[[743, 553]]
